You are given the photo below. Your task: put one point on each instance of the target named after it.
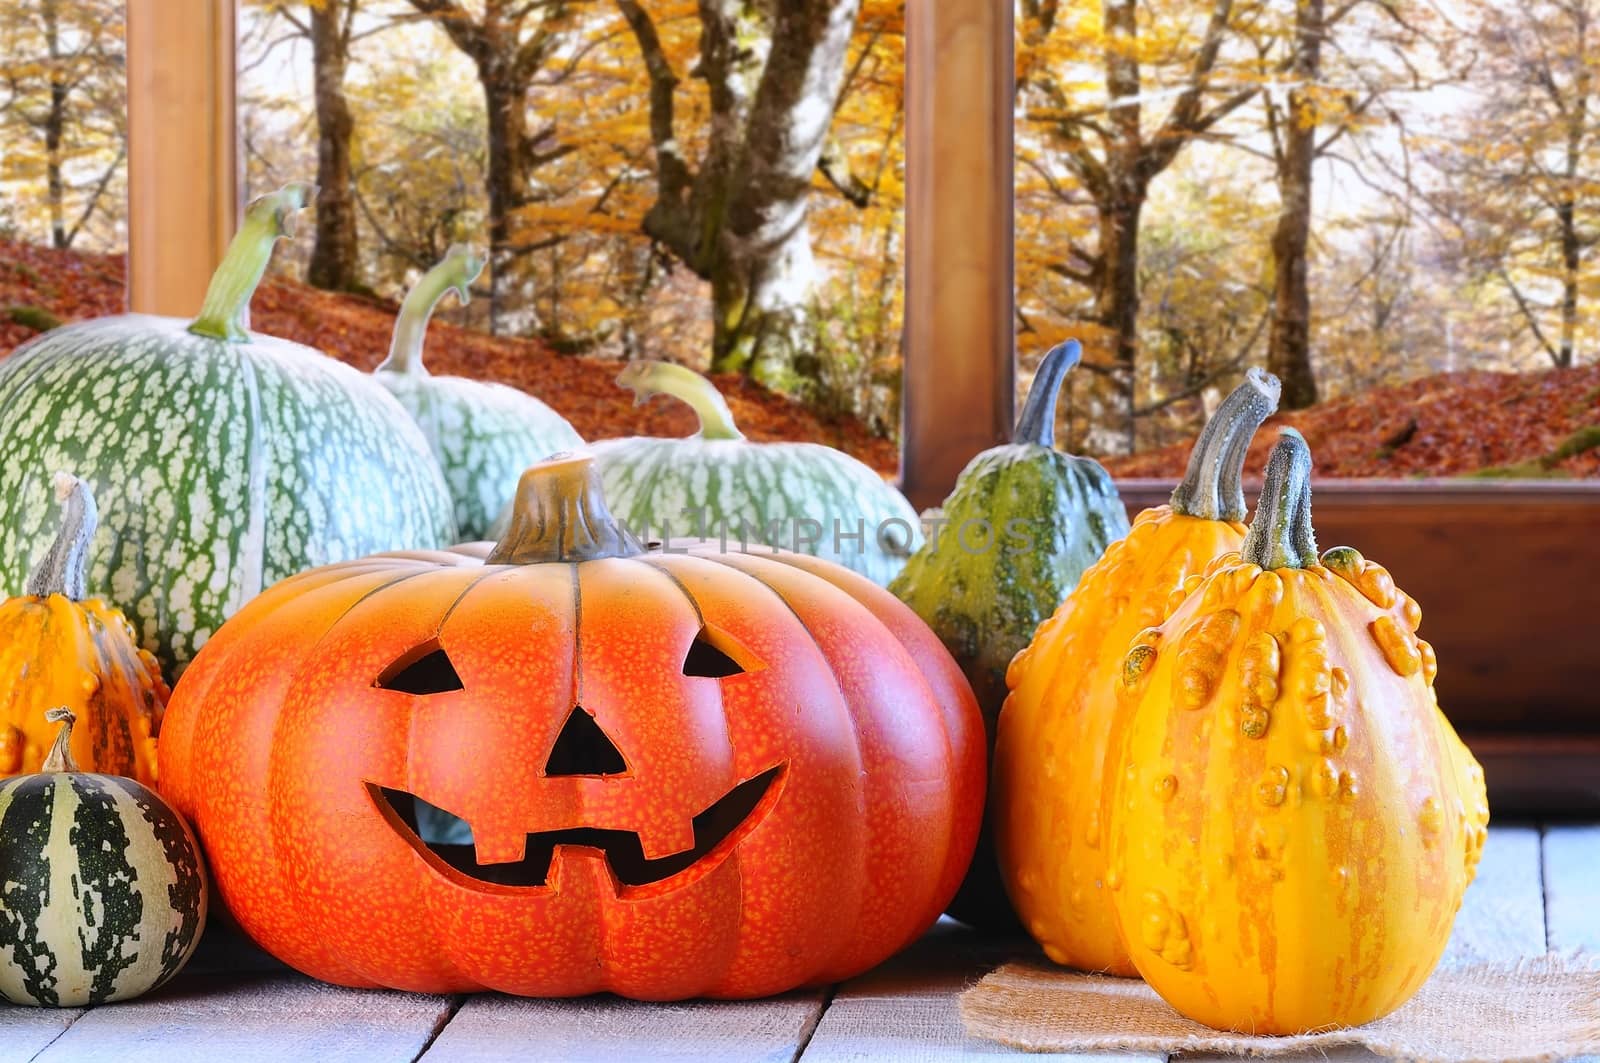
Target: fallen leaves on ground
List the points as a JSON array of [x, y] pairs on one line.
[[75, 287], [1468, 422]]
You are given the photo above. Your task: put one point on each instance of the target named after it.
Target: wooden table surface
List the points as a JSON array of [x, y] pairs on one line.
[[1537, 890]]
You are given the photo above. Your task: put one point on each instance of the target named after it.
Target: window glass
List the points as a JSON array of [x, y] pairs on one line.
[[1390, 205], [63, 163], [633, 186]]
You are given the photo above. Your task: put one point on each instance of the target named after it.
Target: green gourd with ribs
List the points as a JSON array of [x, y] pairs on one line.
[[1021, 526]]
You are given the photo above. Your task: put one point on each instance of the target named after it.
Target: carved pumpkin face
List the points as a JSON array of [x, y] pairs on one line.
[[580, 767]]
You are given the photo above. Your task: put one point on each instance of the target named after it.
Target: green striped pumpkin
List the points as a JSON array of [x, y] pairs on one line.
[[803, 497], [1020, 528], [483, 434], [223, 461], [102, 891]]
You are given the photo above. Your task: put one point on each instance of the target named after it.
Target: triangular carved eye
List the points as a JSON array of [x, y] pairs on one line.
[[423, 671], [715, 655]]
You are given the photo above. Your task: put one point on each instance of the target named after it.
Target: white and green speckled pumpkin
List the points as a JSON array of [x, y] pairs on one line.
[[803, 497], [222, 460], [105, 893], [483, 434]]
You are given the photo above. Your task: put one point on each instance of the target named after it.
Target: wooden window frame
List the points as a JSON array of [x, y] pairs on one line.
[[1506, 572]]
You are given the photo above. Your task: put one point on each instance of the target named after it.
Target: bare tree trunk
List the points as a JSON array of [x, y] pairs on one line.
[[1567, 213], [739, 219], [761, 296], [766, 276], [1117, 302], [507, 62], [1571, 264], [335, 260], [55, 125], [505, 103], [1289, 348]]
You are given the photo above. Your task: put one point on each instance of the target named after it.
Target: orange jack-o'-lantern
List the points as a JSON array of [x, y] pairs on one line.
[[580, 766]]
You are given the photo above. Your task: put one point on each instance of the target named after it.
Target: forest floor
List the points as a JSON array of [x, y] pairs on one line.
[[71, 286], [1542, 424]]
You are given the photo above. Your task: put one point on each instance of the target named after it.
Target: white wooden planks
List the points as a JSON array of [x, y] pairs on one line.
[[1502, 916], [492, 1029], [1572, 891], [1572, 887], [25, 1032], [254, 1020], [907, 1010]]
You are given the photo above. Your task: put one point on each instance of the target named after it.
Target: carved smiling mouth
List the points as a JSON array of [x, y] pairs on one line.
[[447, 838]]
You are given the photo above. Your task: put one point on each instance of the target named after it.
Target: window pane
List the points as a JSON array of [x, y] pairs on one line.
[[1389, 206], [597, 149], [63, 172]]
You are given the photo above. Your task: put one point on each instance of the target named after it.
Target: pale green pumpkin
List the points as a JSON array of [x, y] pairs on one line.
[[222, 460], [483, 434], [803, 497]]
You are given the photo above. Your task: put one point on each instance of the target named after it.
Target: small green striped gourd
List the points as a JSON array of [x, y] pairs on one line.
[[104, 893], [483, 434], [803, 497], [1022, 525], [223, 460]]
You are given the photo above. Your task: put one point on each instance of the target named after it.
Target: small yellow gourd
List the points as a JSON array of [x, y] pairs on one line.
[[1293, 821], [61, 648], [1058, 721]]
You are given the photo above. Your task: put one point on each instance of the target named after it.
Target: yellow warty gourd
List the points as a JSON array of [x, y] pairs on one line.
[[1058, 722], [61, 648], [1293, 821]]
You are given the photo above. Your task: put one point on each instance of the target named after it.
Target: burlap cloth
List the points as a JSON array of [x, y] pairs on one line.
[[1539, 1011]]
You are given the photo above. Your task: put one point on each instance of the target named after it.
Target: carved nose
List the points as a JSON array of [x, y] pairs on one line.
[[583, 748]]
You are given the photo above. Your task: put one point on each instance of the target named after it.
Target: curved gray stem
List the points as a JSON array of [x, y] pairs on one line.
[[1281, 535], [1037, 425], [1213, 488], [65, 569]]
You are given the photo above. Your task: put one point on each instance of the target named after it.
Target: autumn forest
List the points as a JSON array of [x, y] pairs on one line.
[[1394, 198]]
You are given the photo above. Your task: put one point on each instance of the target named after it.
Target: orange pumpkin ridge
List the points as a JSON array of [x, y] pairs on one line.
[[685, 774], [1063, 714]]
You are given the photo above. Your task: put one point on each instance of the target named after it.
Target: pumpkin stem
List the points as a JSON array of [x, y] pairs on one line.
[[65, 569], [1213, 488], [1281, 535], [647, 378], [1037, 425], [458, 269], [60, 758], [560, 514], [266, 221]]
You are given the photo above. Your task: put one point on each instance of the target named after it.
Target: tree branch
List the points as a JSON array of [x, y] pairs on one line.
[[95, 196], [835, 166], [457, 23], [674, 177], [1528, 315]]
